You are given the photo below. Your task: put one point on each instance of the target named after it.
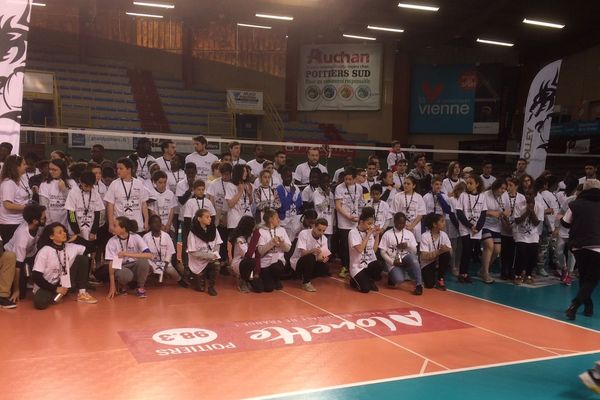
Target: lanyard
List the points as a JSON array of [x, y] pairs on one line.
[[98, 188], [127, 194], [512, 203], [159, 247], [86, 208], [438, 243], [126, 243], [408, 203], [198, 203], [319, 241], [352, 199], [167, 165], [26, 187], [396, 237], [262, 191], [435, 202], [500, 203], [472, 207], [62, 261], [142, 165]]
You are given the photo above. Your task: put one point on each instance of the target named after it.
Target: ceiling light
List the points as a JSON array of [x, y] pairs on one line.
[[281, 17], [382, 28], [495, 42], [157, 5], [143, 15], [39, 4], [358, 37], [418, 7], [254, 26], [542, 23]]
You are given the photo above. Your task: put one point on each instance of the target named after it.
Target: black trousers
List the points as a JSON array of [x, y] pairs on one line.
[[309, 268], [269, 278], [344, 250], [224, 233], [7, 232], [174, 237], [527, 256], [431, 273], [79, 272], [467, 252], [364, 280], [507, 257], [588, 263]]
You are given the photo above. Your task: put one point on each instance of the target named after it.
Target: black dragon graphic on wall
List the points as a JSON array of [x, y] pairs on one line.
[[14, 26], [543, 102]]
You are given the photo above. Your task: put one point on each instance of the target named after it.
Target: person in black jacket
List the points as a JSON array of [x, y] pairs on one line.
[[583, 218]]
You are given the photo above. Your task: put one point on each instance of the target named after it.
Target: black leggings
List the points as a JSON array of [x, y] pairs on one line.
[[79, 273], [588, 263], [527, 256], [507, 257], [309, 268], [7, 232], [467, 252], [269, 278], [435, 271], [364, 280], [344, 250]]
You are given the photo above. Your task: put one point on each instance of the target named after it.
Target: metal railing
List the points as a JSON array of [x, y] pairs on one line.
[[272, 121]]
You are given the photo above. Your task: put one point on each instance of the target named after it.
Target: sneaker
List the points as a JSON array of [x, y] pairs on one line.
[[86, 298], [590, 380], [518, 280], [568, 280], [529, 280], [440, 285], [454, 271], [542, 272], [418, 290], [343, 273], [374, 287], [141, 293], [243, 286], [183, 283], [309, 287], [5, 302], [122, 291], [488, 279]]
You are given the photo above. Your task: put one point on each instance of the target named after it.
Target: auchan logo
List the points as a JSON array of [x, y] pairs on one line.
[[317, 56]]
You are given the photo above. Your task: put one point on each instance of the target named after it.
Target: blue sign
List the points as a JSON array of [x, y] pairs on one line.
[[443, 99]]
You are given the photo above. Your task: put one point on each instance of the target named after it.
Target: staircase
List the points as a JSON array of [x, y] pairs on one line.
[[150, 111], [273, 128]]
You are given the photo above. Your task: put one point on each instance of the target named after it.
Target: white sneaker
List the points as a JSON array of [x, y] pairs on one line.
[[309, 287]]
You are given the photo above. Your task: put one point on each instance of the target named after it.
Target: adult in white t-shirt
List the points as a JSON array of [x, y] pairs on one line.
[[202, 158], [143, 159], [412, 205], [54, 192], [302, 173], [238, 195], [256, 165], [272, 246], [311, 254], [13, 196], [126, 197], [235, 149], [347, 199], [169, 149], [363, 242]]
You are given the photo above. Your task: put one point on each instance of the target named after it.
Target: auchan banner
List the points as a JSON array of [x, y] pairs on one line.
[[340, 77]]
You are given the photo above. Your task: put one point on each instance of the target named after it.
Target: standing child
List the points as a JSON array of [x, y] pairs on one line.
[[161, 247], [195, 203], [471, 211], [163, 201], [412, 205], [84, 205], [382, 209], [203, 249], [452, 227], [347, 199], [54, 192], [395, 154], [291, 202], [265, 196], [325, 205], [452, 177], [510, 199], [526, 234], [436, 201], [491, 235], [566, 259], [363, 242]]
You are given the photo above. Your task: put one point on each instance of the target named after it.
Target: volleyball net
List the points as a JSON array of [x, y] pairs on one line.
[[77, 143]]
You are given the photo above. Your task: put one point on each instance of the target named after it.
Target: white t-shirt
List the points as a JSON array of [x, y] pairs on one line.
[[448, 185], [163, 204], [399, 181], [50, 262], [306, 241], [85, 204], [563, 231], [217, 191], [487, 182], [412, 206], [22, 243], [336, 174], [194, 243], [350, 197], [127, 199], [548, 200], [510, 204], [325, 208], [101, 189], [239, 250], [142, 167], [303, 172], [240, 161], [428, 245], [255, 166], [164, 164], [241, 208], [393, 158], [133, 244], [16, 194], [275, 254], [203, 164], [360, 261], [472, 206], [525, 232], [182, 187], [275, 181], [308, 194], [161, 248], [451, 230], [173, 178], [56, 198], [382, 213], [493, 204], [367, 184], [392, 238], [193, 204], [432, 204]]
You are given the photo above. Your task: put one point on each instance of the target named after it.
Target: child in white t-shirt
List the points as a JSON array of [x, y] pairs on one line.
[[85, 205], [363, 242], [311, 254], [382, 209], [203, 246], [272, 246], [527, 236], [162, 201], [161, 246], [436, 252]]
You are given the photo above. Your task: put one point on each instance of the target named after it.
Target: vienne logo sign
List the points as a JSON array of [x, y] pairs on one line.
[[176, 343]]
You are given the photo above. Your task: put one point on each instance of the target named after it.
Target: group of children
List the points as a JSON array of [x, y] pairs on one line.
[[62, 223]]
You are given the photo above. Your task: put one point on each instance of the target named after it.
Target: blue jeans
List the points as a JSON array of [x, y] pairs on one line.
[[410, 265]]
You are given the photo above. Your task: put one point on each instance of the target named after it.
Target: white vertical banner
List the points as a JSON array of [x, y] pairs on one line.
[[14, 26], [538, 118]]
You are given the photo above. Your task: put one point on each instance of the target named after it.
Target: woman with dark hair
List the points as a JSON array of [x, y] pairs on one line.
[[14, 196], [491, 237], [59, 266], [238, 194], [272, 246], [203, 246], [436, 251], [128, 255], [525, 184], [509, 199], [363, 242], [388, 186], [55, 190], [452, 178], [241, 262]]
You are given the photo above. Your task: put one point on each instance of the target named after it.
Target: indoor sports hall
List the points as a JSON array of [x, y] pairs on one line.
[[299, 199]]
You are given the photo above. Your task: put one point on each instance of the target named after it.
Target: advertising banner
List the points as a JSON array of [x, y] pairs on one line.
[[340, 77], [538, 118], [245, 101], [14, 25]]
